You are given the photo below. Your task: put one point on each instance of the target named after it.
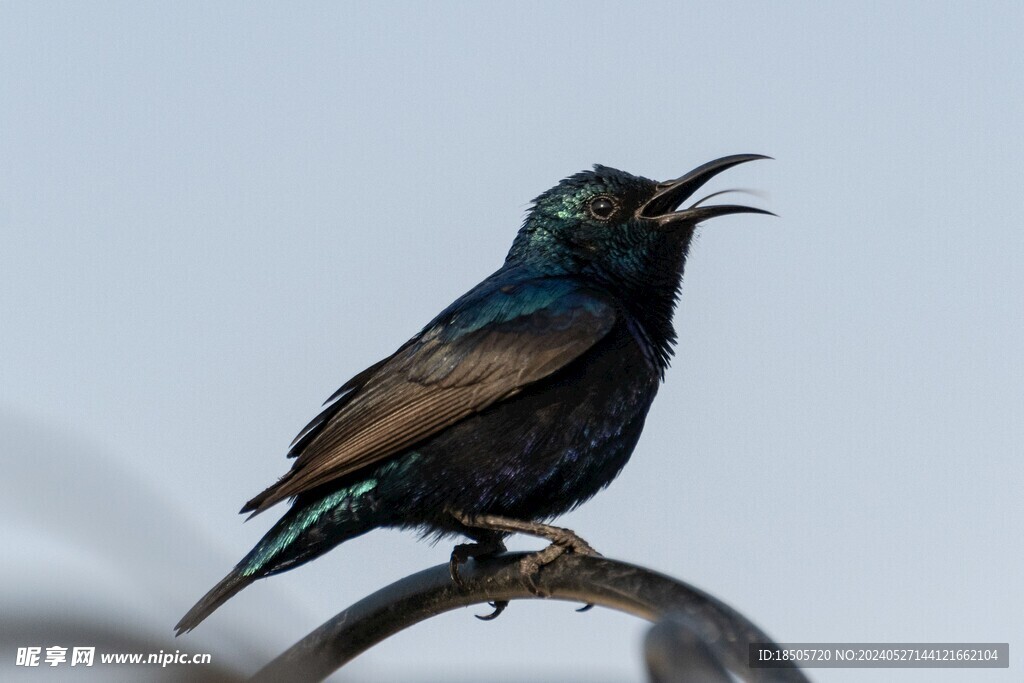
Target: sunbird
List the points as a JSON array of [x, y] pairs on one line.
[[517, 403]]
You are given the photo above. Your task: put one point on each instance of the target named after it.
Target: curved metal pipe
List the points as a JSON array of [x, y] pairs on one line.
[[635, 590]]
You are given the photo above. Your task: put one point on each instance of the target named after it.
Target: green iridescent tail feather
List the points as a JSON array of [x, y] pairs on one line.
[[306, 531]]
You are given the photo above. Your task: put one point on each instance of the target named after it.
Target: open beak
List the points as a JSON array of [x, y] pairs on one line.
[[663, 207]]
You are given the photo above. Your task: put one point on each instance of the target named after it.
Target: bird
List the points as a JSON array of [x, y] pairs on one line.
[[517, 403]]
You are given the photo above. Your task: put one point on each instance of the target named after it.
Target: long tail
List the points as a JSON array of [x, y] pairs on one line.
[[217, 596], [309, 529]]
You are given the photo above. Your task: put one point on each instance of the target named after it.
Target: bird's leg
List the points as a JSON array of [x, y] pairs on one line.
[[562, 540], [566, 539]]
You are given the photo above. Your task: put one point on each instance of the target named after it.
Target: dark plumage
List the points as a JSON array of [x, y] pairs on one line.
[[523, 398]]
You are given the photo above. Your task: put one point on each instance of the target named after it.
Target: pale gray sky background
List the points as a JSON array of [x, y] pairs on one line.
[[213, 214]]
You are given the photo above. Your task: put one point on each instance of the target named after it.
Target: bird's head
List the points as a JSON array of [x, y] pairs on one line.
[[620, 228]]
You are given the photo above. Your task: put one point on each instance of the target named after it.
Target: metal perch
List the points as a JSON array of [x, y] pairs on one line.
[[696, 639]]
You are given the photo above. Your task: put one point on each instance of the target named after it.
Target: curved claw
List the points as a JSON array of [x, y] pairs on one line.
[[499, 607], [460, 554], [453, 570], [586, 608], [464, 551]]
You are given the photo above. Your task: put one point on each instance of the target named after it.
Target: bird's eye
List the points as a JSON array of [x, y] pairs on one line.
[[601, 208]]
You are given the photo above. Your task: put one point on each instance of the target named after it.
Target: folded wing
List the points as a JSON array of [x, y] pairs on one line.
[[483, 349]]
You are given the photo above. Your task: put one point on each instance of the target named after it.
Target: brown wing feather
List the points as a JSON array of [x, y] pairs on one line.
[[430, 385]]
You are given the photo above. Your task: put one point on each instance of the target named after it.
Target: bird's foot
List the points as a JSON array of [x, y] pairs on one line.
[[463, 552], [562, 541]]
